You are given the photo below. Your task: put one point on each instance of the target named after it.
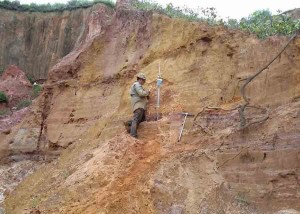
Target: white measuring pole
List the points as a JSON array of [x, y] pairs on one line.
[[182, 126], [158, 91], [158, 87]]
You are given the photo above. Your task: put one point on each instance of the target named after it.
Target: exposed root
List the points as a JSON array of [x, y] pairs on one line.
[[234, 157], [242, 108], [243, 119], [212, 108], [219, 147], [203, 129], [203, 110]]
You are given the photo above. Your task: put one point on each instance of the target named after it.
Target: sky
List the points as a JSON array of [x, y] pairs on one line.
[[225, 8]]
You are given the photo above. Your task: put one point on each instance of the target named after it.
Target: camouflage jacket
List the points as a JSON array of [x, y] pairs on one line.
[[138, 96]]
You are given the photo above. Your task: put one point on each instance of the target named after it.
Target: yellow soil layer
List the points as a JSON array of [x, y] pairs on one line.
[[103, 170]]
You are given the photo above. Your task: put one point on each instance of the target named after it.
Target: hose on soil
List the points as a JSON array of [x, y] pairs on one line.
[[243, 122], [241, 108], [208, 109]]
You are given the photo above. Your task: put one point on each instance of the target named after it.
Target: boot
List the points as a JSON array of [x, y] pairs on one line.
[[127, 125], [133, 129]]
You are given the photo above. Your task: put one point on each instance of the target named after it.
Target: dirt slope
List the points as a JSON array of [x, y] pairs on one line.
[[216, 168]]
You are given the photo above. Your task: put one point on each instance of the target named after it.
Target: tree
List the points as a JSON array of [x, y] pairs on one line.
[[264, 24]]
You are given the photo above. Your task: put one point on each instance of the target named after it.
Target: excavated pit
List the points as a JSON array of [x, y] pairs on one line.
[[215, 168]]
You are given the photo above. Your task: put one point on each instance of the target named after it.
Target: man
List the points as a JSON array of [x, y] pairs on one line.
[[139, 99]]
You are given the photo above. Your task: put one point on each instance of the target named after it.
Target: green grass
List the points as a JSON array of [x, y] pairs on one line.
[[70, 5], [36, 90], [30, 78], [65, 174], [35, 202], [4, 112], [242, 199], [23, 104]]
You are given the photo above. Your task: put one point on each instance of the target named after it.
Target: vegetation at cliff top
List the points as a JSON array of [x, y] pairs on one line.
[[70, 5], [201, 14], [262, 22]]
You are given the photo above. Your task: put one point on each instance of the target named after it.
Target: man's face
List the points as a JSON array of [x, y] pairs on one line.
[[142, 81]]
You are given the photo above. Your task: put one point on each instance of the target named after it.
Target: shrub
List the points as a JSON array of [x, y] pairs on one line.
[[3, 97], [261, 22], [23, 104], [264, 24], [241, 198], [175, 12], [30, 78], [35, 201], [4, 112], [36, 90]]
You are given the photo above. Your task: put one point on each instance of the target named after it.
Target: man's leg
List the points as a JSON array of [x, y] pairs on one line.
[[144, 116], [137, 118], [127, 125]]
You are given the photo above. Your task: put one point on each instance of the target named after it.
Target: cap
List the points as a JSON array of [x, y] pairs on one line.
[[141, 76]]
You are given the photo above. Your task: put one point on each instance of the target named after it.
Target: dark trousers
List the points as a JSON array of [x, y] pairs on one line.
[[138, 117]]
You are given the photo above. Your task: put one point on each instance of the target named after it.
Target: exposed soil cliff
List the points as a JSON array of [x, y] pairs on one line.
[[36, 41], [216, 168]]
